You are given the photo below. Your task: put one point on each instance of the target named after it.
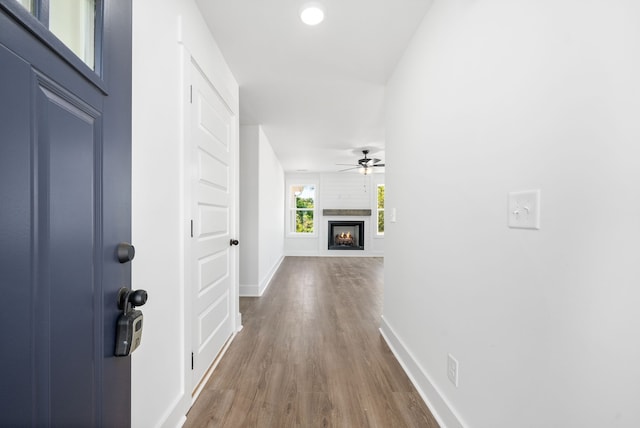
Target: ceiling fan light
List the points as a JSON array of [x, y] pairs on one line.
[[312, 13]]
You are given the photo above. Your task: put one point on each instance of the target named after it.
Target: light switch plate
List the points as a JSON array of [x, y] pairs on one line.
[[524, 209]]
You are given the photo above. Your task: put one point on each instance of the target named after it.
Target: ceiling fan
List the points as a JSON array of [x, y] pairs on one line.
[[365, 165]]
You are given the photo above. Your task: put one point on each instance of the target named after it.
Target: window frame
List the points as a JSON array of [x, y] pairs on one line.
[[291, 209], [378, 210], [36, 20]]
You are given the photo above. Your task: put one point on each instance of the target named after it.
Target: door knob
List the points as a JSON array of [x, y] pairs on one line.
[[132, 298], [233, 242], [126, 252]]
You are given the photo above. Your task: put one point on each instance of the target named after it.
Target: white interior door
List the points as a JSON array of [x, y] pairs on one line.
[[212, 208]]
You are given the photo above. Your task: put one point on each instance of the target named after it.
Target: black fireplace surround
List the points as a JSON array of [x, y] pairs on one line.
[[346, 235]]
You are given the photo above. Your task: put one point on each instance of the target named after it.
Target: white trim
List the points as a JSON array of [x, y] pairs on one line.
[[239, 325], [249, 290], [171, 417], [440, 407], [374, 213], [288, 208], [307, 253], [181, 422], [266, 282], [212, 367], [257, 290], [210, 60]]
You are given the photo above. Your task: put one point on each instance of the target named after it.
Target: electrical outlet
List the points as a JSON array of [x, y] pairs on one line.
[[452, 369], [524, 209]]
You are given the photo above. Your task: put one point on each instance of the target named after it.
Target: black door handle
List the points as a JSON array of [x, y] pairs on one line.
[[126, 252], [132, 298], [233, 242]]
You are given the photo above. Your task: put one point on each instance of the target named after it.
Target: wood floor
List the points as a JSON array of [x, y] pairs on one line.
[[311, 355]]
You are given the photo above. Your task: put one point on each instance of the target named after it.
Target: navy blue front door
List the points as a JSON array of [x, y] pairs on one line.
[[65, 162]]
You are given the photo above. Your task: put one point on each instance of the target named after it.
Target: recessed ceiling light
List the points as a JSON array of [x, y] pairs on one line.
[[312, 13]]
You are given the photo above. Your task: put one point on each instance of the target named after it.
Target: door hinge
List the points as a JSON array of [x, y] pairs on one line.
[[192, 361], [191, 94], [192, 228]]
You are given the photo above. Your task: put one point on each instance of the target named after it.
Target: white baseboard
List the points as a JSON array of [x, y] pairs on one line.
[[301, 253], [437, 403], [238, 322], [257, 290], [335, 253], [264, 284], [249, 290], [175, 415], [181, 422]]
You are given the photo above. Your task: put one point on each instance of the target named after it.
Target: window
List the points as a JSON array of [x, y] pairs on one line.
[[28, 4], [71, 21], [380, 209], [302, 208]]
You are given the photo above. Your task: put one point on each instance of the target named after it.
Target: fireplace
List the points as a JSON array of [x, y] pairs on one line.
[[346, 235]]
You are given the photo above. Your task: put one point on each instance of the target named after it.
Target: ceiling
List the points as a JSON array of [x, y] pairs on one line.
[[318, 92]]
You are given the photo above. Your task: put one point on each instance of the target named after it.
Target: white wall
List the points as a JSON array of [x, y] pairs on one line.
[[337, 191], [249, 207], [497, 96], [261, 211], [161, 391], [271, 209]]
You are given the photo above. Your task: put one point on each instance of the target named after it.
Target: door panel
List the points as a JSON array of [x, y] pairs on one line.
[[213, 220], [66, 248], [15, 228], [212, 208], [65, 204]]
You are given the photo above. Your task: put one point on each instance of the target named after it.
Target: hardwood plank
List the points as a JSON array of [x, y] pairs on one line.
[[211, 408], [310, 355]]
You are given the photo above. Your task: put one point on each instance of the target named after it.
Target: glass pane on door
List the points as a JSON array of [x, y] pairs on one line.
[[74, 22], [28, 4]]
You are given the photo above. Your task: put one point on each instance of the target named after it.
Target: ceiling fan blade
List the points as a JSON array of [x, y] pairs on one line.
[[347, 164], [368, 161], [364, 163], [349, 169]]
